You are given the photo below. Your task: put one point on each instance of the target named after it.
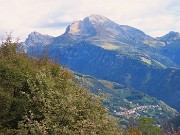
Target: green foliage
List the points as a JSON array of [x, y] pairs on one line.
[[38, 96], [147, 126]]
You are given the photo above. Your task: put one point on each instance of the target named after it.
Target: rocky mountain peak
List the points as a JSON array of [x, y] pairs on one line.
[[35, 33], [173, 33], [100, 26], [81, 28], [36, 38], [97, 18], [171, 36]]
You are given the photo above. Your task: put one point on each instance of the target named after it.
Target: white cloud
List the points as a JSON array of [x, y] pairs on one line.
[[154, 17]]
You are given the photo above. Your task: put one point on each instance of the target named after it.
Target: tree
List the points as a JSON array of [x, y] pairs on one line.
[[147, 126]]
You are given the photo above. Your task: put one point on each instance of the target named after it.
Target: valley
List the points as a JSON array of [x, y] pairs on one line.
[[126, 103]]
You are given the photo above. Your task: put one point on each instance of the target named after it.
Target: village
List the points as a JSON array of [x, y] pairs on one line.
[[134, 111]]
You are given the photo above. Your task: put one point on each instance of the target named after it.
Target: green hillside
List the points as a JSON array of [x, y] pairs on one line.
[[120, 100], [39, 97]]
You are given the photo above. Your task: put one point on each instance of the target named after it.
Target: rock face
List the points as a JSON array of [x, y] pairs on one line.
[[102, 48]]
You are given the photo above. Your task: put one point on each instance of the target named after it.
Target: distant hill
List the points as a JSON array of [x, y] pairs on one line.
[[104, 49]]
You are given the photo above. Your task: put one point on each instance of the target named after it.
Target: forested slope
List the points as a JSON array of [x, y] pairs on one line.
[[38, 96]]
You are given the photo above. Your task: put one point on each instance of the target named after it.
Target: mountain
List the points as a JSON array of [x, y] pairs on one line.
[[170, 37], [120, 99], [172, 48], [104, 49], [102, 27], [35, 39], [101, 31], [97, 27]]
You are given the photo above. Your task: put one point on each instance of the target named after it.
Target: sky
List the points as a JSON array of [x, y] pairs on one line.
[[154, 17]]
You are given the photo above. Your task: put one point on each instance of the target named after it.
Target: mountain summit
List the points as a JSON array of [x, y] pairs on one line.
[[36, 38], [88, 26], [171, 36], [97, 18], [100, 26]]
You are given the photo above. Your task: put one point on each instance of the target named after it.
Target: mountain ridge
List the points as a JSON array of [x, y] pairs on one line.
[[96, 25]]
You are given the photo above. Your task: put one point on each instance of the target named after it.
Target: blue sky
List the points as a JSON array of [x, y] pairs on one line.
[[154, 17]]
